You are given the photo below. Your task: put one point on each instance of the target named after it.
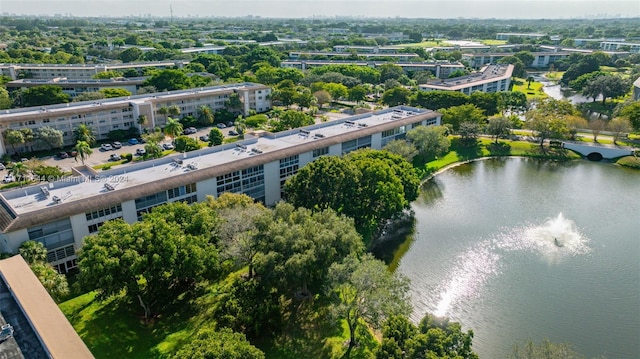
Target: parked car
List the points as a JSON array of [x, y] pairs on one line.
[[62, 155], [2, 167], [190, 130], [133, 141], [140, 152], [116, 145], [8, 179], [115, 157], [72, 153], [106, 147], [230, 124], [233, 133], [167, 146], [221, 125], [204, 138], [23, 160]]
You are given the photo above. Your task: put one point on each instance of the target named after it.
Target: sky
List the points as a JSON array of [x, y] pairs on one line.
[[501, 9]]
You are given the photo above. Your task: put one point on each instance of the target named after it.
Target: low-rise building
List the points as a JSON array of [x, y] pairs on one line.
[[74, 88], [491, 78], [439, 69], [296, 55], [78, 72], [541, 59], [632, 47], [60, 214], [122, 113]]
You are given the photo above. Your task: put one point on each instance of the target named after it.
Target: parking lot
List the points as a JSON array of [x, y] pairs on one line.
[[101, 156]]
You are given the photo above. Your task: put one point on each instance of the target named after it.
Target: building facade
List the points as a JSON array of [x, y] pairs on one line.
[[439, 69], [60, 214], [78, 72], [104, 116], [491, 78], [74, 88]]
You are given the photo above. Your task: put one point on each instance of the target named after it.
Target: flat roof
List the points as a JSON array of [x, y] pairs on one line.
[[25, 207], [51, 326], [120, 101], [489, 73]]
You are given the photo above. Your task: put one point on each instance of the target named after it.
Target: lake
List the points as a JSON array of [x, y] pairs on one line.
[[519, 249]]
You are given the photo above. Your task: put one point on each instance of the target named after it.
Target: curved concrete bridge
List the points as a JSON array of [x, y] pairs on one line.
[[598, 152]]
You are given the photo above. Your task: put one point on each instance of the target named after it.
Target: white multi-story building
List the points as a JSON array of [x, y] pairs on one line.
[[122, 113], [491, 78], [74, 88], [636, 90], [632, 47], [439, 69], [60, 214], [78, 72], [540, 59]]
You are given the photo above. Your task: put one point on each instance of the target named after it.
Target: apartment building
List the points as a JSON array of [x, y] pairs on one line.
[[78, 72], [122, 113], [491, 78], [541, 59], [60, 214], [439, 69], [295, 55], [632, 47], [74, 88]]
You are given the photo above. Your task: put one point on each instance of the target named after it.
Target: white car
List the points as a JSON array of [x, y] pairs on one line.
[[167, 146], [106, 147], [141, 152], [221, 125], [8, 179]]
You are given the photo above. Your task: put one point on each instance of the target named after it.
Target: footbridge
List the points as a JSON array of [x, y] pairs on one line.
[[596, 152]]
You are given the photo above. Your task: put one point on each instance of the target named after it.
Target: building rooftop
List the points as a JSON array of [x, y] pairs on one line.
[[7, 115], [487, 74], [45, 202], [54, 335]]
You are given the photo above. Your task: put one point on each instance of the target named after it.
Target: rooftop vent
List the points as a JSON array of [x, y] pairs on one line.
[[318, 135], [255, 150], [349, 123], [304, 132], [241, 146]]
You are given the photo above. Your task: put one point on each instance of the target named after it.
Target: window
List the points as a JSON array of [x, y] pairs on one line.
[[320, 152], [103, 212]]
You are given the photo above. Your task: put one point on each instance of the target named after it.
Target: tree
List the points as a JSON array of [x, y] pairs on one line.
[[322, 97], [291, 119], [454, 116], [43, 95], [596, 126], [358, 93], [215, 137], [365, 290], [337, 91], [49, 137], [153, 261], [547, 126], [13, 137], [205, 115], [84, 150], [224, 343], [33, 252], [54, 282], [261, 54], [173, 128], [440, 338], [152, 150], [606, 86], [530, 79], [402, 148], [131, 54], [106, 75], [431, 141], [297, 247], [89, 96], [84, 133], [115, 92], [512, 101], [632, 113], [618, 127], [304, 98], [19, 171], [396, 96], [486, 101], [168, 80], [390, 71], [518, 65], [439, 99], [5, 99], [186, 144], [234, 104], [469, 132], [498, 127]]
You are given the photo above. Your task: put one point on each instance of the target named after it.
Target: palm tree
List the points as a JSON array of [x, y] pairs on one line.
[[530, 79], [205, 116], [19, 171], [84, 133], [164, 111], [173, 128], [84, 150], [174, 111], [142, 120]]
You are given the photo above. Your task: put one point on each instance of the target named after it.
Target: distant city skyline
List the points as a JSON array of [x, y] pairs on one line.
[[501, 9]]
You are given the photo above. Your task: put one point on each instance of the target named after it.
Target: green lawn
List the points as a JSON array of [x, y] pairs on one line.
[[493, 42], [533, 92], [554, 75], [430, 43]]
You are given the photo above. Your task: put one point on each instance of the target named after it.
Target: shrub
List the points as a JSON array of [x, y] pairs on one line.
[[127, 157]]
